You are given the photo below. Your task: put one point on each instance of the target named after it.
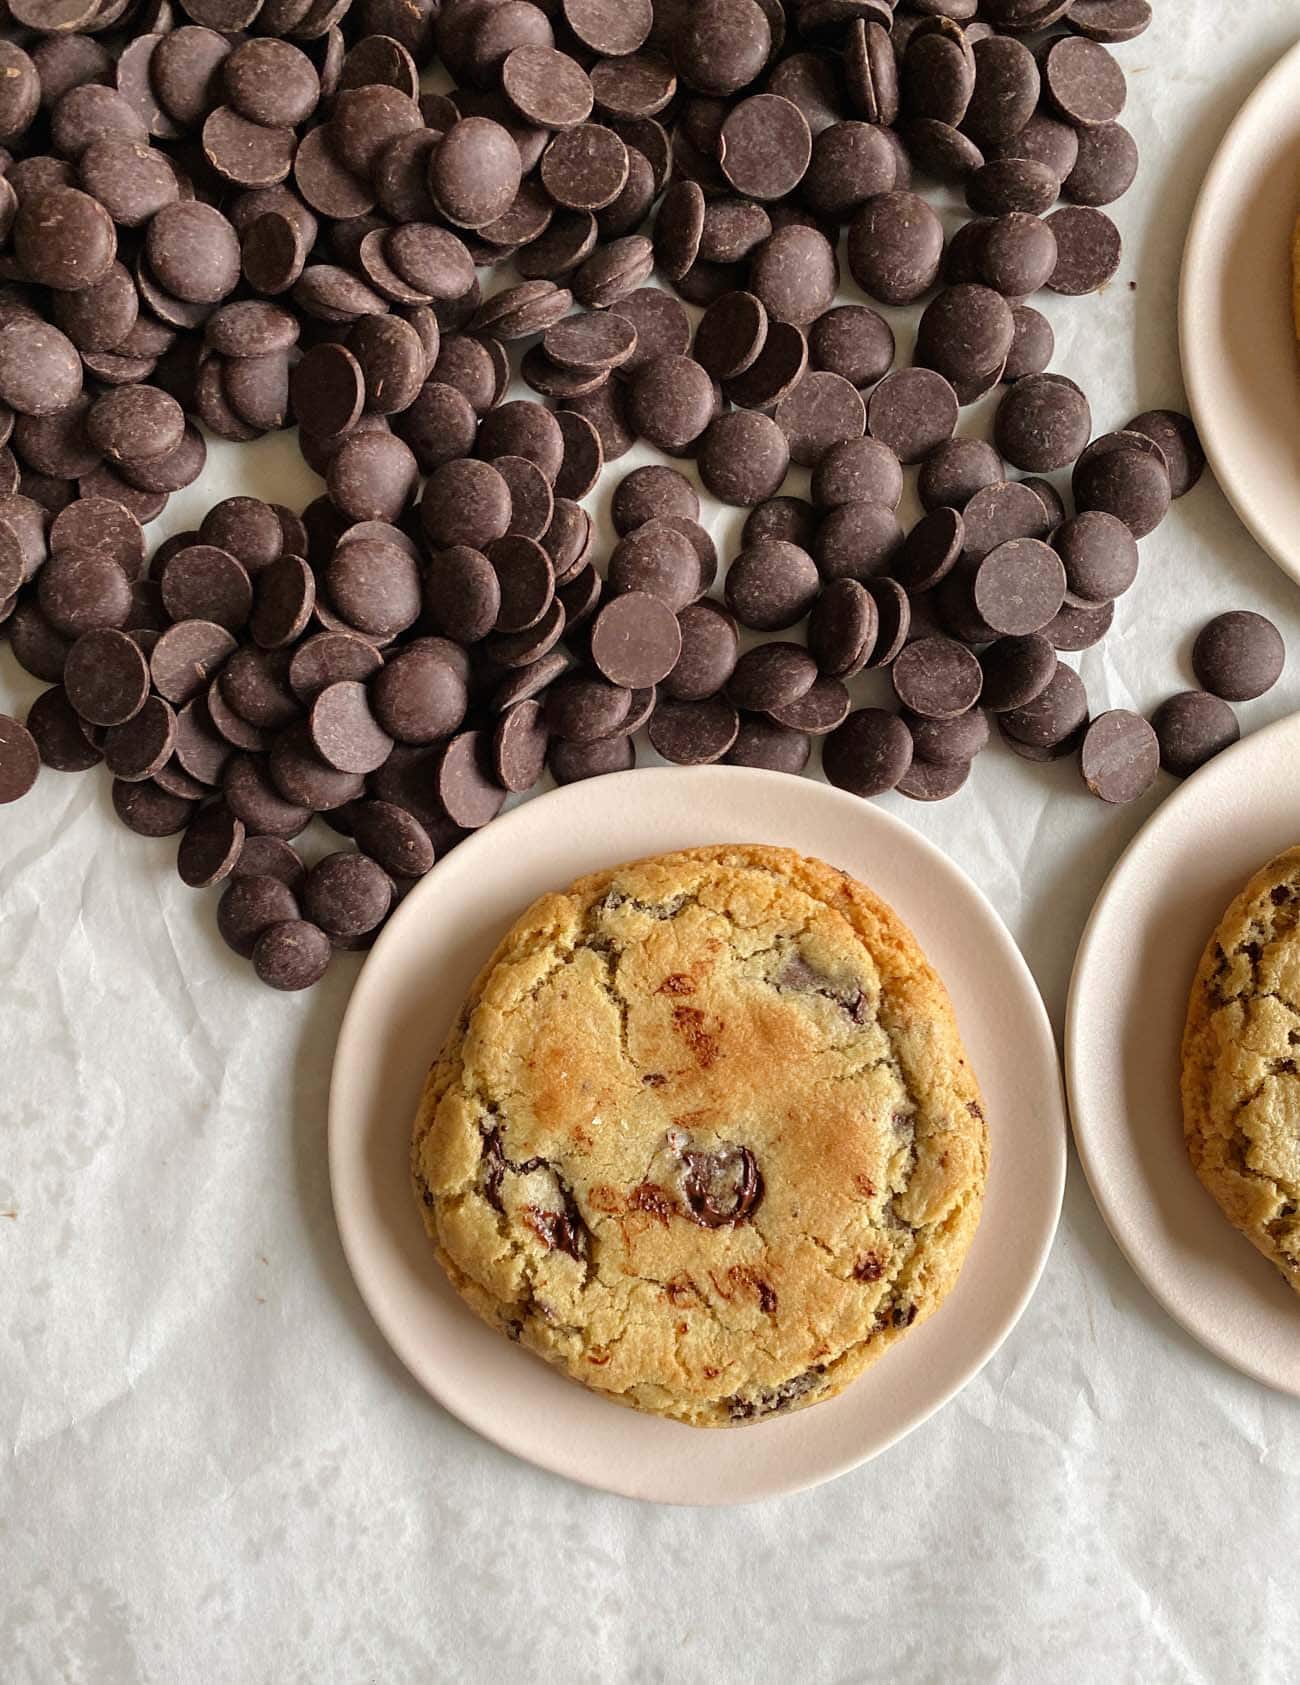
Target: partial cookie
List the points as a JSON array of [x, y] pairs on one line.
[[704, 1135], [1241, 1064]]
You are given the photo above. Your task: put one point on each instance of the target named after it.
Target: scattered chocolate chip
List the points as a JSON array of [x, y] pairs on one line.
[[1119, 756], [1238, 655], [1192, 728]]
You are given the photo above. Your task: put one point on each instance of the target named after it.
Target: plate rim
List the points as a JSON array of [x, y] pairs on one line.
[[1148, 836], [1195, 272], [1052, 1182]]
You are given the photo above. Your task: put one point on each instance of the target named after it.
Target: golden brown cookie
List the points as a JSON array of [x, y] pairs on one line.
[[1241, 1064], [704, 1134]]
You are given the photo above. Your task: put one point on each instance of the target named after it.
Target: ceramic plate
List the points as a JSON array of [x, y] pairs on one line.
[[1128, 1000], [413, 983], [1235, 326]]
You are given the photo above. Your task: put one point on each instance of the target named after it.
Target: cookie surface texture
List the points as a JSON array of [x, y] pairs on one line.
[[704, 1135], [1241, 1064]]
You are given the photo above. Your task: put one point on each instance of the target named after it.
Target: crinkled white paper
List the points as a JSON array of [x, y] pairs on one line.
[[212, 1470]]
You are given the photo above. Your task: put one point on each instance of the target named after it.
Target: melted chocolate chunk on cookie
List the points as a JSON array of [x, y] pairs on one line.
[[656, 909], [552, 1214], [559, 1231], [721, 1187], [799, 977], [742, 1408]]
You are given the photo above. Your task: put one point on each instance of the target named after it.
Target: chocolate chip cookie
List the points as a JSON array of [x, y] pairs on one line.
[[704, 1134], [1241, 1064]]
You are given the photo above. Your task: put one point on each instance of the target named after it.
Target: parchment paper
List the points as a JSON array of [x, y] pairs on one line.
[[213, 1470]]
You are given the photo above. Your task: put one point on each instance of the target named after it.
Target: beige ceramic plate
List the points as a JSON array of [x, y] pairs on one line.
[[1128, 1000], [411, 987], [1235, 325]]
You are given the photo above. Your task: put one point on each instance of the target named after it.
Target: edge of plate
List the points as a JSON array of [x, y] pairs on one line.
[[396, 1340], [1197, 264], [1083, 957]]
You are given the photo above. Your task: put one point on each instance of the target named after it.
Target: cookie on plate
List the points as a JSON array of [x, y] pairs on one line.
[[1241, 1064], [704, 1135]]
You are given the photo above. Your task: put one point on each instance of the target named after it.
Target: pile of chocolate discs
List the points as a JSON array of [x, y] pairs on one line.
[[229, 217]]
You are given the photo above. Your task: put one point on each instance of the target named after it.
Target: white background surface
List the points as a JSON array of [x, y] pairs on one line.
[[214, 1470]]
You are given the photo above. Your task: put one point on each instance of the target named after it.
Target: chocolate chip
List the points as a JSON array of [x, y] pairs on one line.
[[858, 471], [475, 172], [771, 585], [79, 590], [895, 247], [731, 335], [584, 455], [791, 518], [693, 733], [1088, 249], [1084, 82], [1179, 444], [760, 742], [1032, 346], [853, 341], [1191, 728], [270, 857], [585, 168], [1058, 711], [955, 471], [40, 370], [142, 745], [662, 325], [60, 734], [570, 762], [1238, 655], [254, 799], [546, 87], [149, 810], [417, 697], [996, 513], [465, 502], [1129, 483], [1043, 423], [465, 784], [1016, 671], [1119, 756], [912, 411], [952, 742], [744, 457], [519, 746], [650, 493], [20, 759], [937, 678], [636, 639], [1019, 586], [346, 895], [770, 674], [965, 334], [824, 410], [658, 559], [857, 540], [843, 627], [1100, 556], [823, 707], [1080, 626], [293, 954], [764, 146], [722, 45], [931, 550], [796, 275], [868, 753]]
